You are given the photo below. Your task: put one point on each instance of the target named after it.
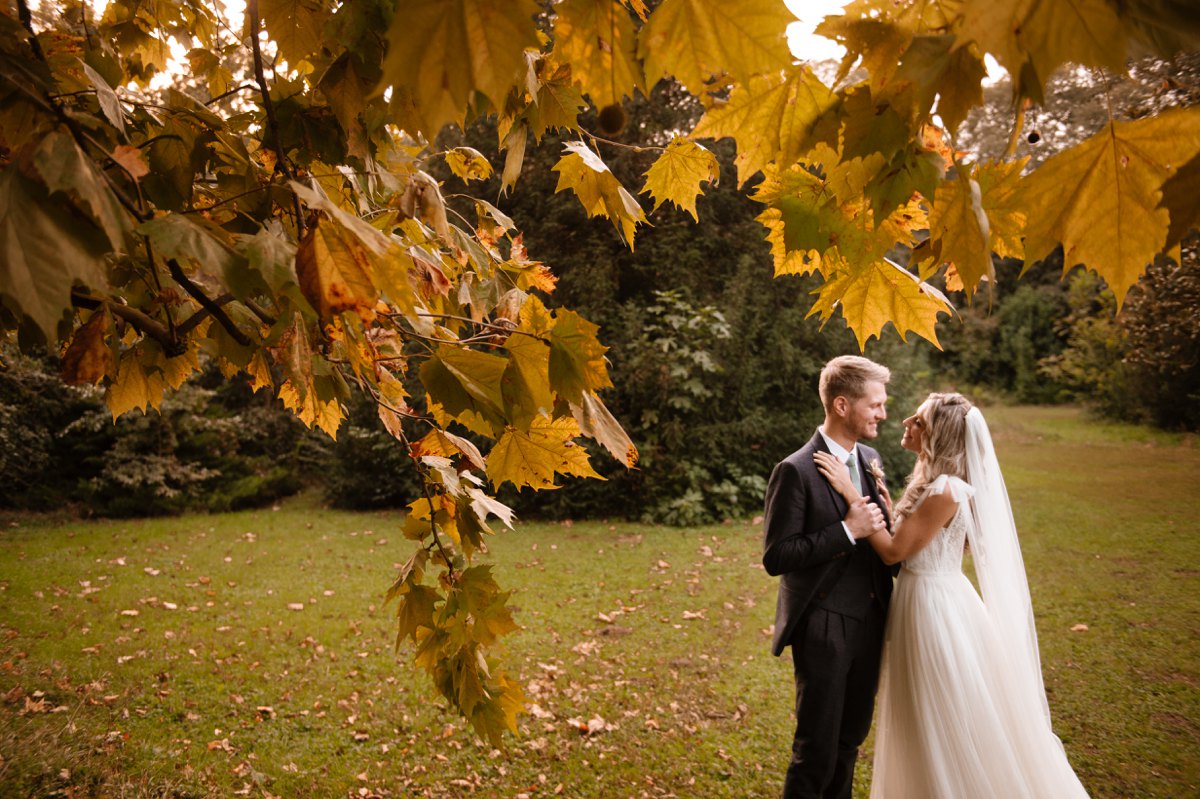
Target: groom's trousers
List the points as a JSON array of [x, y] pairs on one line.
[[836, 659]]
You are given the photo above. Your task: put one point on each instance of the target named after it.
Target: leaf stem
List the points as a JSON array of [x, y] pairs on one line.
[[1014, 138]]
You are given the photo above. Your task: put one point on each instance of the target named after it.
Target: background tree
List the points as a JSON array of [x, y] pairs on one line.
[[288, 226]]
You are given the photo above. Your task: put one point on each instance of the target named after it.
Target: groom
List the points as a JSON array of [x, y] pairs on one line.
[[834, 590]]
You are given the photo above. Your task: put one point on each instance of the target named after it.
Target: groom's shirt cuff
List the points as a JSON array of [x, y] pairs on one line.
[[849, 534]]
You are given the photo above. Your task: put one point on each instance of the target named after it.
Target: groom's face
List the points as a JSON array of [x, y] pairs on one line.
[[864, 414]]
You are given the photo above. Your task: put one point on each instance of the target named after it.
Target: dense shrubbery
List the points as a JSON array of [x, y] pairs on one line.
[[214, 446]]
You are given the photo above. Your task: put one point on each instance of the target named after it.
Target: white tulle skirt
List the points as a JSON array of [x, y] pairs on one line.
[[953, 722]]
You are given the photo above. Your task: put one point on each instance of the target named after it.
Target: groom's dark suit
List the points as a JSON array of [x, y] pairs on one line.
[[833, 599]]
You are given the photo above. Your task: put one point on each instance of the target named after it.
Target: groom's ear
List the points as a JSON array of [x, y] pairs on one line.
[[840, 405]]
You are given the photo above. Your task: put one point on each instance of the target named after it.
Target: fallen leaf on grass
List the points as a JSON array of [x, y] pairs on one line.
[[695, 614], [295, 606], [222, 744], [1079, 628]]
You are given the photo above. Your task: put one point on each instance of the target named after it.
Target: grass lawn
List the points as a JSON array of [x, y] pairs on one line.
[[249, 654]]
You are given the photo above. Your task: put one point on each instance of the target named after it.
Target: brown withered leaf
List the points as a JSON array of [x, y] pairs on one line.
[[88, 358]]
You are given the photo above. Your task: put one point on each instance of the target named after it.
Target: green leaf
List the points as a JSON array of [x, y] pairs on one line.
[[414, 611], [871, 125], [597, 39], [576, 357], [45, 248], [67, 169], [270, 254], [526, 382], [699, 40], [676, 175], [1101, 199], [466, 385], [772, 118], [557, 103], [909, 171], [582, 171], [187, 238], [796, 201]]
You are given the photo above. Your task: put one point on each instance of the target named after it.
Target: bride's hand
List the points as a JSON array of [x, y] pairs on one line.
[[884, 495], [835, 472]]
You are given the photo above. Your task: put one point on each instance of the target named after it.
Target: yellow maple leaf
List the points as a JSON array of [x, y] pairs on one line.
[[676, 175], [697, 40], [310, 409], [875, 39], [872, 294], [771, 117], [1100, 198], [960, 228], [1032, 38], [333, 270], [598, 423], [596, 37], [440, 51], [533, 458], [468, 163], [582, 171], [259, 372], [998, 182], [136, 386]]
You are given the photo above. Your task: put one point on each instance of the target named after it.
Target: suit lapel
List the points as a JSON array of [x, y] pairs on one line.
[[837, 500]]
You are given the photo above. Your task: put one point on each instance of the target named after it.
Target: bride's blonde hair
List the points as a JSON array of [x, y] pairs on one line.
[[943, 447]]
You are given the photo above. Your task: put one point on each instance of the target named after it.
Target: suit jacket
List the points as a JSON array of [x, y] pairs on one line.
[[805, 544]]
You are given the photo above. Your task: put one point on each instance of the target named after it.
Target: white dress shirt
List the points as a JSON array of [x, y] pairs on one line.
[[843, 455]]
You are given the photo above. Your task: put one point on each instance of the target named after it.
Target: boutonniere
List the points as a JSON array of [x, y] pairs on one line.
[[876, 470]]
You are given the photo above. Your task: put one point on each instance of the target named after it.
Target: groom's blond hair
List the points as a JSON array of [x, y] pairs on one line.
[[847, 376]]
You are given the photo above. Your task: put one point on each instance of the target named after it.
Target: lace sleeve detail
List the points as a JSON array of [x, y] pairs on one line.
[[960, 491]]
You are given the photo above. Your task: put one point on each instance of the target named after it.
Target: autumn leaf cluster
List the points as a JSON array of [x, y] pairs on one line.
[[275, 212]]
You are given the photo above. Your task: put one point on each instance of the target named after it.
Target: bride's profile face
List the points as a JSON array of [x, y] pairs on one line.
[[914, 429]]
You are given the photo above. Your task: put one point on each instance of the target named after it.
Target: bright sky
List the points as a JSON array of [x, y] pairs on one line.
[[805, 44]]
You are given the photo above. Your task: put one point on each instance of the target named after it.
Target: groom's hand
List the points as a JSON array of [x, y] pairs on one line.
[[864, 519]]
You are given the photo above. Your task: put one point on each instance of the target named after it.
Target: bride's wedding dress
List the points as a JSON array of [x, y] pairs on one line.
[[962, 712]]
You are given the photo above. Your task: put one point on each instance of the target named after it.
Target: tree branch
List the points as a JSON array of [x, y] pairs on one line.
[[143, 323], [207, 303], [269, 107]]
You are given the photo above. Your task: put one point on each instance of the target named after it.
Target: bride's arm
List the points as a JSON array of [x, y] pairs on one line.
[[913, 533]]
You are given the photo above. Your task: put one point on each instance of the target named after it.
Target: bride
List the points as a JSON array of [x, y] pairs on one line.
[[962, 708]]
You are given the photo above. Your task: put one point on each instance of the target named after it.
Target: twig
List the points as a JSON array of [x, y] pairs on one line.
[[141, 322], [207, 303], [269, 107]]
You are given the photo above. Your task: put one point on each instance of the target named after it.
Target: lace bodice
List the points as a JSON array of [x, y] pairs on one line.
[[945, 552]]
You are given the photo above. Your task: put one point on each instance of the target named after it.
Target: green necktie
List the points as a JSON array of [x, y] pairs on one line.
[[852, 465]]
